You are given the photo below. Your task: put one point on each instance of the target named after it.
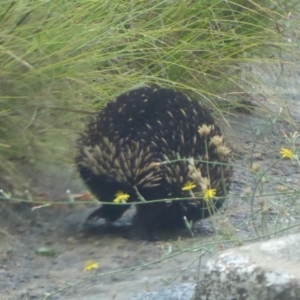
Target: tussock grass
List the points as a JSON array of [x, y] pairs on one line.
[[62, 59]]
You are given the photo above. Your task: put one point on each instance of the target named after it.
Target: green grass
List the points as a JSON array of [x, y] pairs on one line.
[[269, 208], [63, 59]]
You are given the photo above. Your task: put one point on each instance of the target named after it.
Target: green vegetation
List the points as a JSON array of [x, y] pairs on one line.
[[60, 59]]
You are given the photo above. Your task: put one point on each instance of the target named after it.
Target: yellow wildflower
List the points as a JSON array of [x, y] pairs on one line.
[[286, 153], [90, 265], [189, 186], [121, 197], [209, 194], [255, 167]]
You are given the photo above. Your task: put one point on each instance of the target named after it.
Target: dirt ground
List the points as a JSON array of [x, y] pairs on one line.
[[128, 267]]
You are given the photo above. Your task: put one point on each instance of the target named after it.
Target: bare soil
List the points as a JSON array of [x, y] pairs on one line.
[[128, 267]]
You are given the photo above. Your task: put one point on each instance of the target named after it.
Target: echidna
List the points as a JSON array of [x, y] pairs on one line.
[[151, 144]]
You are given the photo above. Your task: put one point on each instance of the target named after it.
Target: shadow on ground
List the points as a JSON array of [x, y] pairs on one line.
[[145, 266]]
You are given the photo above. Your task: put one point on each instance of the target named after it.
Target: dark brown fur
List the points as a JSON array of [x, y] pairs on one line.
[[126, 147]]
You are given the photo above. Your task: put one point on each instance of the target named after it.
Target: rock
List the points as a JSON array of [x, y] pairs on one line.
[[183, 291], [265, 271]]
